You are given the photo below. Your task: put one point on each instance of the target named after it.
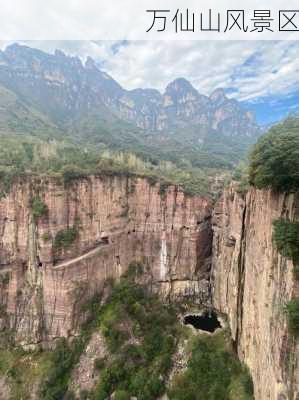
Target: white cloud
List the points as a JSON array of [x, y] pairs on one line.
[[274, 69]]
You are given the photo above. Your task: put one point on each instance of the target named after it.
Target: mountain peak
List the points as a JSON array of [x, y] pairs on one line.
[[90, 63], [22, 49], [14, 46], [218, 95], [179, 85], [59, 53]]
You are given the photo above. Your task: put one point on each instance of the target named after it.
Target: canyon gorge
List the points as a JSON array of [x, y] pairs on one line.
[[216, 254]]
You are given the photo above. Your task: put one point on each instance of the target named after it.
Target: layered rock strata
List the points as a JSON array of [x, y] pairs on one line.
[[252, 283], [117, 220]]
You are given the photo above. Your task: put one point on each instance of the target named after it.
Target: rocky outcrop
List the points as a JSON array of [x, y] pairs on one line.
[[4, 389], [251, 284], [117, 220], [85, 374]]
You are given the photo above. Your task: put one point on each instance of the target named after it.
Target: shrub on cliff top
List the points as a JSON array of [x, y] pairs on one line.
[[286, 238], [73, 172], [274, 162]]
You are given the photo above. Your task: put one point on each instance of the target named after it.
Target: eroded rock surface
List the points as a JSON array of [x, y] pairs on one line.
[[251, 284], [118, 220]]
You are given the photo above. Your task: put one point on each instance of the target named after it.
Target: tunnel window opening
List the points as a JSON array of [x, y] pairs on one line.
[[208, 321], [105, 239], [39, 263]]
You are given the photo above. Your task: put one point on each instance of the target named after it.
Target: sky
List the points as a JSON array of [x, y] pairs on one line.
[[263, 75]]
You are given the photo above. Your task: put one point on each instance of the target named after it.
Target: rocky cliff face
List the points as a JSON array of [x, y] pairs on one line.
[[251, 284], [117, 220]]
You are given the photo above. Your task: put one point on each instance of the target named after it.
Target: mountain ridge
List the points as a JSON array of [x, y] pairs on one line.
[[86, 104], [179, 105]]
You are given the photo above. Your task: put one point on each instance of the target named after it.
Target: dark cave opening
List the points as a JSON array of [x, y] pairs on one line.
[[105, 239], [39, 263], [208, 321]]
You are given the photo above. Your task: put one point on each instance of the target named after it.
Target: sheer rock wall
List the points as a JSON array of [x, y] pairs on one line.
[[118, 220], [251, 284]]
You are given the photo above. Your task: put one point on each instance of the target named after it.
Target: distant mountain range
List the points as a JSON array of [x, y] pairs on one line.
[[55, 95]]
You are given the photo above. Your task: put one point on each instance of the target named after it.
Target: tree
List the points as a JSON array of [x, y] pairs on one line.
[[274, 161], [38, 208], [286, 238], [292, 309]]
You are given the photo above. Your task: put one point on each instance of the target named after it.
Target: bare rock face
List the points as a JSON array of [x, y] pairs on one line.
[[4, 389], [251, 284], [117, 220]]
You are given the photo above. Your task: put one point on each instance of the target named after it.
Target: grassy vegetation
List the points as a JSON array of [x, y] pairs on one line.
[[274, 161], [46, 236], [292, 310], [240, 176], [198, 146], [22, 155], [66, 355], [23, 371], [4, 279], [213, 373], [62, 360], [65, 238], [286, 239], [17, 117], [38, 208], [136, 365], [141, 335]]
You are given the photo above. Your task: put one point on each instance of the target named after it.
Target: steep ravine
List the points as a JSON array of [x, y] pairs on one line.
[[251, 284], [177, 237]]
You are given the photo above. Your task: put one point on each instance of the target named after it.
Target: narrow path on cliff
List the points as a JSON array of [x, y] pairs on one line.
[[80, 258]]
